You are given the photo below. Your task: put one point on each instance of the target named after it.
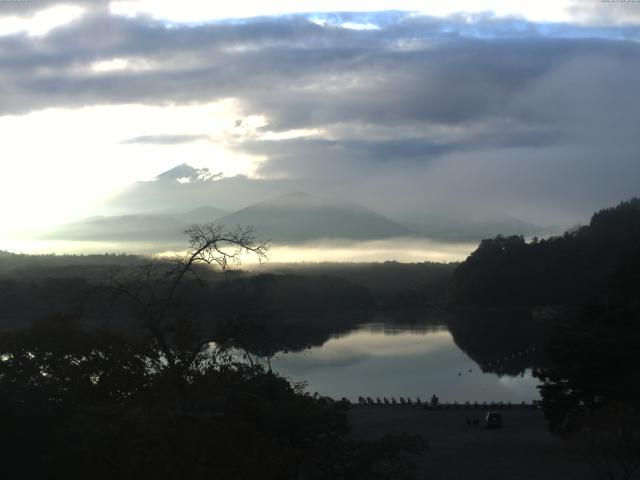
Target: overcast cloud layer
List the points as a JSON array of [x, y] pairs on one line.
[[469, 116]]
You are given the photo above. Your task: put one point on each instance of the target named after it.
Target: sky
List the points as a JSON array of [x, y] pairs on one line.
[[421, 110]]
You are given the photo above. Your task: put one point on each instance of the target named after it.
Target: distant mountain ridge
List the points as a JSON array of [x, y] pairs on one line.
[[134, 228], [201, 215], [473, 230], [293, 217], [185, 187], [299, 216], [125, 228]]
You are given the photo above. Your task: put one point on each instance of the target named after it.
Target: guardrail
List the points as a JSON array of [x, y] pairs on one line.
[[407, 401]]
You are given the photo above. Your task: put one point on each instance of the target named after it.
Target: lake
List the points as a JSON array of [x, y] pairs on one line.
[[381, 360]]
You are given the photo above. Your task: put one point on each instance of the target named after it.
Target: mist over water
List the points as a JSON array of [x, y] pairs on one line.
[[399, 249], [328, 250]]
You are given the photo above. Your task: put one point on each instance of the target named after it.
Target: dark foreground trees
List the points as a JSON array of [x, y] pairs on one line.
[[169, 399], [591, 392], [95, 404]]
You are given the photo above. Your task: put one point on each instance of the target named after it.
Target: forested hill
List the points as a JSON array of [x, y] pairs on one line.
[[589, 263]]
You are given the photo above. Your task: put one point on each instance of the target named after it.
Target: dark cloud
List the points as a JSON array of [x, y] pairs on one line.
[[317, 157], [463, 114], [283, 56], [165, 139]]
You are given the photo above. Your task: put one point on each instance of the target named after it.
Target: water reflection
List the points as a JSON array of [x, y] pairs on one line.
[[391, 360]]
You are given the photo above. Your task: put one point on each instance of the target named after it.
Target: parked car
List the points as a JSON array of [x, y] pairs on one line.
[[493, 420]]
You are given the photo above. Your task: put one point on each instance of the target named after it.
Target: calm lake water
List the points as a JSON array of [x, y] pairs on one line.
[[400, 361]]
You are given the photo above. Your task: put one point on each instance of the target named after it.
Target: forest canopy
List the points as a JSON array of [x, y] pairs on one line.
[[557, 271]]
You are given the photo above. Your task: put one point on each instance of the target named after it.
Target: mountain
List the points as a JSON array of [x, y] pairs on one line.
[[299, 217], [201, 215], [185, 173], [123, 228], [135, 228], [292, 217], [184, 188]]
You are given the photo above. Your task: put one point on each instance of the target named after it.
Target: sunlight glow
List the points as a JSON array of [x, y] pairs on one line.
[[40, 23], [91, 161], [120, 64], [359, 26], [400, 249], [404, 249], [109, 65], [290, 134]]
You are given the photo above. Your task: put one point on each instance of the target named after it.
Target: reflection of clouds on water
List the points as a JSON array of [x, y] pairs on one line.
[[519, 385], [396, 329], [382, 343], [373, 340], [363, 345], [378, 360], [303, 361], [356, 346]]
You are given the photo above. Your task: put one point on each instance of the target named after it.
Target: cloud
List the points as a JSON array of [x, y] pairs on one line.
[[25, 8], [468, 113], [606, 12], [271, 60], [165, 139]]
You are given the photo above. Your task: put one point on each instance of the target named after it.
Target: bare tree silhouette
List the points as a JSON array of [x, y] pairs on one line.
[[154, 290]]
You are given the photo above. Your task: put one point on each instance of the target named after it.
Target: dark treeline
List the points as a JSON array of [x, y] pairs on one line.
[[32, 286], [565, 270], [19, 265], [24, 301], [386, 282], [590, 376], [292, 312], [393, 284]]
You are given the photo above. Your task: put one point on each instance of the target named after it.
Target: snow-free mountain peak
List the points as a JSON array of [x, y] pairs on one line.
[[299, 216]]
